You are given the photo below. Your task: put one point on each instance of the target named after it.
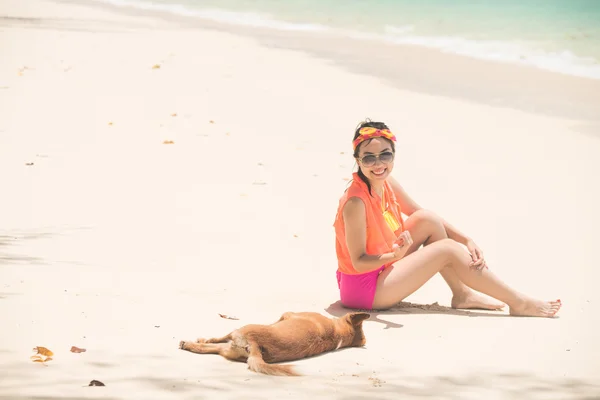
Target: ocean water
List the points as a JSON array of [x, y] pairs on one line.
[[556, 35]]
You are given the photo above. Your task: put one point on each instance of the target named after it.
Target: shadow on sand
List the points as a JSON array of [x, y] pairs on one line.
[[337, 309], [8, 240]]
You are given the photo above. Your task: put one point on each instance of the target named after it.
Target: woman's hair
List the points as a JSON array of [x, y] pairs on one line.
[[370, 124]]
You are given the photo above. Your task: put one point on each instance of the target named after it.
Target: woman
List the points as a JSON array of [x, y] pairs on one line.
[[378, 261]]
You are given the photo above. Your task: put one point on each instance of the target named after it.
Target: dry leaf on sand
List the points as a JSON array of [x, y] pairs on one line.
[[227, 316], [42, 355], [168, 142], [43, 351], [156, 66], [75, 349], [96, 383]]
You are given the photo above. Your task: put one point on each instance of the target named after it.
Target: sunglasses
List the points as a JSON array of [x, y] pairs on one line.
[[370, 159]]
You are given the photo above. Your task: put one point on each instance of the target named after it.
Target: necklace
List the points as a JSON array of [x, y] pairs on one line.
[[388, 216]]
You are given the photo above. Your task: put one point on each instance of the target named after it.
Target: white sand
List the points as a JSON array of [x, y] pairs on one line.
[[123, 245]]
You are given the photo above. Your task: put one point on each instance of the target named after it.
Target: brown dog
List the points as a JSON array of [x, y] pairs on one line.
[[294, 336]]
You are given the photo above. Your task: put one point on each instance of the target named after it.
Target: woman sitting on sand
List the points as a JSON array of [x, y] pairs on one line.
[[378, 261]]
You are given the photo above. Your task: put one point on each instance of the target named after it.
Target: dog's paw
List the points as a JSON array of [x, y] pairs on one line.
[[181, 344]]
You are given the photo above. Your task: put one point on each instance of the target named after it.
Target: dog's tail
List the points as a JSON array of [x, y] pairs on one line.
[[256, 363]]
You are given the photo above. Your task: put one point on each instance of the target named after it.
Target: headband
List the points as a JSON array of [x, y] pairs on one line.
[[370, 133]]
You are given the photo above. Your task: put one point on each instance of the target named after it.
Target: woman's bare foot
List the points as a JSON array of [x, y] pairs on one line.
[[536, 308], [473, 300]]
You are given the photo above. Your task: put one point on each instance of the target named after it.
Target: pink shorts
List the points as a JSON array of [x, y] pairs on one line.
[[358, 291]]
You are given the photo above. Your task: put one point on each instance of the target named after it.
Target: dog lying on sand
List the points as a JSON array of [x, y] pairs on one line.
[[293, 337]]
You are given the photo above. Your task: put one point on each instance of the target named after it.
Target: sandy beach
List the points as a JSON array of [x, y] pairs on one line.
[[157, 172]]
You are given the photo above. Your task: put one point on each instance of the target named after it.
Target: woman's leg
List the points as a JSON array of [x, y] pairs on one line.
[[410, 273], [426, 227]]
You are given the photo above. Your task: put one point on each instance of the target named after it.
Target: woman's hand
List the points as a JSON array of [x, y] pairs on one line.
[[476, 255], [402, 244]]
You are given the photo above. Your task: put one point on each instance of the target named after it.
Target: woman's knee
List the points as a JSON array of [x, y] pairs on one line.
[[426, 216], [427, 222], [450, 250]]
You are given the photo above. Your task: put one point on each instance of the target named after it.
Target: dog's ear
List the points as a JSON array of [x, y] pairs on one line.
[[356, 318]]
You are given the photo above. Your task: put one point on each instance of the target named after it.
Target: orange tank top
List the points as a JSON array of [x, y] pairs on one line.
[[380, 236]]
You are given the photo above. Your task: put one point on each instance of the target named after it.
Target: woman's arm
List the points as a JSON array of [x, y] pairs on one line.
[[454, 233], [355, 223]]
